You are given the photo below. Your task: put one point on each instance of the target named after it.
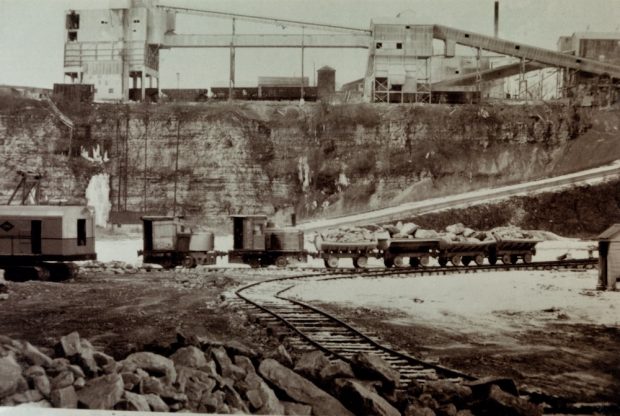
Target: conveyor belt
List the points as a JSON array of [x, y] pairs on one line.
[[519, 50]]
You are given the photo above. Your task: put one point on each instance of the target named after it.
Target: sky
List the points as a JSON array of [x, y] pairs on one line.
[[32, 34]]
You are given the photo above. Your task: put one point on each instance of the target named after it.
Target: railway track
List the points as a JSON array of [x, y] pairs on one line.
[[314, 328]]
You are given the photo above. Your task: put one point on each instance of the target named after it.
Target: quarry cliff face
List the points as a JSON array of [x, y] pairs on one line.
[[313, 159]]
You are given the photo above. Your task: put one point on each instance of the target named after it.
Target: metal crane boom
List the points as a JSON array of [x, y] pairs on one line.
[[261, 19]]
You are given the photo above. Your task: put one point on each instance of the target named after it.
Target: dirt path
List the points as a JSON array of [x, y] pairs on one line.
[[122, 313]]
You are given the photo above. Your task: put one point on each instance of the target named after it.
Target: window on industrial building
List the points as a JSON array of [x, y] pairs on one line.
[[72, 36], [110, 90], [104, 22], [399, 45], [81, 232], [136, 20], [379, 45]]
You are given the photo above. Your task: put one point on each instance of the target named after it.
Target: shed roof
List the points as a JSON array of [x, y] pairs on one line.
[[610, 233], [42, 211]]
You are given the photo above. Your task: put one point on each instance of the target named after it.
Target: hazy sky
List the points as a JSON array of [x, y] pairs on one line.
[[32, 33]]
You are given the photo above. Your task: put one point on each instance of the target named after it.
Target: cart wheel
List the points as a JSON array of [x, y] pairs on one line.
[[42, 273], [492, 259], [360, 262], [332, 262], [514, 259], [388, 261], [466, 260], [399, 261], [414, 262], [281, 261], [189, 262], [167, 264], [479, 259], [254, 263], [527, 258], [443, 261], [506, 259], [456, 260], [425, 260]]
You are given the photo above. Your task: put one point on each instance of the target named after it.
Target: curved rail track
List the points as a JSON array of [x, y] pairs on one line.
[[314, 328]]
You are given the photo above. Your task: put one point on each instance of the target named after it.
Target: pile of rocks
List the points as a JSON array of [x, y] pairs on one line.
[[348, 235], [511, 233], [200, 375], [116, 267]]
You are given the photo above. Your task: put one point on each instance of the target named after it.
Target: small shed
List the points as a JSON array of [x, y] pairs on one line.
[[609, 258]]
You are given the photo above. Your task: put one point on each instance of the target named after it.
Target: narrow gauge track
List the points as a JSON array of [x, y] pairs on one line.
[[318, 329]]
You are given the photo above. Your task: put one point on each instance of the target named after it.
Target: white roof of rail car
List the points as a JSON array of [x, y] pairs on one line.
[[42, 210]]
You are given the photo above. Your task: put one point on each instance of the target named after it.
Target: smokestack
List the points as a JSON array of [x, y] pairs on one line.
[[496, 18]]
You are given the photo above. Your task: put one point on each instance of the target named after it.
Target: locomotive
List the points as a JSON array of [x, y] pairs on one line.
[[257, 242]]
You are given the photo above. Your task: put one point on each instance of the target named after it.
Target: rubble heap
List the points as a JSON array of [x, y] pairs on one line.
[[348, 235], [201, 375]]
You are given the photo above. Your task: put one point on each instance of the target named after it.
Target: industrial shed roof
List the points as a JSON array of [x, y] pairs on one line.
[[610, 233]]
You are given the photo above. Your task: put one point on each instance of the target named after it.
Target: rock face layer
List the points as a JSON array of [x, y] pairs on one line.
[[221, 158]]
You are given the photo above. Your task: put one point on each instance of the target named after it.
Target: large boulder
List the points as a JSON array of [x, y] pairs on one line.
[[11, 379], [336, 369], [189, 357], [156, 403], [135, 402], [225, 364], [297, 409], [445, 391], [65, 398], [154, 364], [363, 400], [262, 398], [482, 386], [500, 402], [300, 389], [102, 392], [310, 364], [69, 345], [35, 356], [373, 366]]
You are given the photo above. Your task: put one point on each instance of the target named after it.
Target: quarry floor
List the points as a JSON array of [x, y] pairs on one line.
[[562, 337]]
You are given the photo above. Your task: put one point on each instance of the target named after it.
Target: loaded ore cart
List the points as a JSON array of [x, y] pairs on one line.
[[332, 251], [41, 242], [170, 242], [463, 252], [419, 251], [509, 251], [257, 243]]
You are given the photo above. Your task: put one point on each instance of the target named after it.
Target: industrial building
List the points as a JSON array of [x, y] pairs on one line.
[[117, 51]]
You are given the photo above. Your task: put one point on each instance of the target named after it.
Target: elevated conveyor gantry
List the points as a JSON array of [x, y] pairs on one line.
[[526, 52]]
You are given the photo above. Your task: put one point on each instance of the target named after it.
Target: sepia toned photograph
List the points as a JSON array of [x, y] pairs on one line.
[[310, 207]]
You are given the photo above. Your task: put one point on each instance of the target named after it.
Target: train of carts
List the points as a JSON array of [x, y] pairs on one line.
[[168, 241]]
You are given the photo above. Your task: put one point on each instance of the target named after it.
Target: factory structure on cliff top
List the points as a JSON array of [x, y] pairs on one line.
[[116, 51]]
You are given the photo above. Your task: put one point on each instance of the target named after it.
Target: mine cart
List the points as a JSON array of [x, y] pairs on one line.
[[170, 242], [259, 245], [509, 251], [463, 252], [419, 251], [39, 242], [358, 252]]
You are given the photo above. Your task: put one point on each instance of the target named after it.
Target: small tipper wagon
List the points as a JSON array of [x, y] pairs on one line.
[[463, 252], [509, 251], [419, 251]]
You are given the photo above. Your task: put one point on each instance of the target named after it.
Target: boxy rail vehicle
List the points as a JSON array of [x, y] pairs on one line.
[[40, 242]]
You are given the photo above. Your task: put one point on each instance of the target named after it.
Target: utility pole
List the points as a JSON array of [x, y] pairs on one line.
[[231, 80], [176, 168], [302, 63], [146, 136]]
